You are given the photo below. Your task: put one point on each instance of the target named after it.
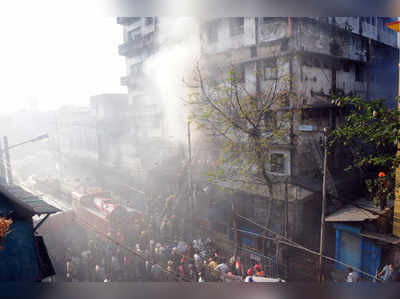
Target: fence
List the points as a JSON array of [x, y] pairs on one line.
[[248, 258]]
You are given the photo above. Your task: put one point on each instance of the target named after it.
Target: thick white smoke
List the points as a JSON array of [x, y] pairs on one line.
[[180, 50]]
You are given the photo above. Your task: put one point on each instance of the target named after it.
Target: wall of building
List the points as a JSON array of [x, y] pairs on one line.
[[18, 258], [225, 40]]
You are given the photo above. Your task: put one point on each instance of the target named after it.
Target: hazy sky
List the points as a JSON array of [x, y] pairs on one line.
[[57, 53]]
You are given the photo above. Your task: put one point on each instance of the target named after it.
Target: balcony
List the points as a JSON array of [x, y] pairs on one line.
[[134, 47], [126, 21]]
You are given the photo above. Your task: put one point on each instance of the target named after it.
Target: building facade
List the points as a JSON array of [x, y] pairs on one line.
[[324, 57], [148, 122]]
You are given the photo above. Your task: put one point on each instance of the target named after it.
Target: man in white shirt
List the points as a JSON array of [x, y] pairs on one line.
[[197, 259]]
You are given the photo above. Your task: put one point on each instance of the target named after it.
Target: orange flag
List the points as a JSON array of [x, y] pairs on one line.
[[394, 26]]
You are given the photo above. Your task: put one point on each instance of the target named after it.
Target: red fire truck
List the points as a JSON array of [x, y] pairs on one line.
[[96, 208]]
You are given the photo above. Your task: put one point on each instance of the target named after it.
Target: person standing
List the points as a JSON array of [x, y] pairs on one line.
[[197, 260], [115, 268], [259, 272], [249, 277], [99, 274], [386, 273], [351, 275], [238, 268], [201, 278], [156, 272], [222, 267], [68, 270]]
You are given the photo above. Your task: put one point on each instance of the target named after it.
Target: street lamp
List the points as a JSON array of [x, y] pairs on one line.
[[6, 152], [396, 225]]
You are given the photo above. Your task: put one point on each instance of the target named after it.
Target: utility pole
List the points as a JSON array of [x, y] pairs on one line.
[[396, 225], [322, 237], [59, 156], [235, 229], [190, 198], [277, 257], [286, 209], [7, 161]]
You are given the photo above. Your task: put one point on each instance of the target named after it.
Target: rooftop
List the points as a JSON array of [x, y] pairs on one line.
[[358, 211], [26, 200]]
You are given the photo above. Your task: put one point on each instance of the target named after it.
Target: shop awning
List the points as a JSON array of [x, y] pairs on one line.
[[381, 237], [25, 199], [358, 211]]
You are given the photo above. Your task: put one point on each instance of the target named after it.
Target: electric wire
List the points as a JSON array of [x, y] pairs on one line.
[[282, 239]]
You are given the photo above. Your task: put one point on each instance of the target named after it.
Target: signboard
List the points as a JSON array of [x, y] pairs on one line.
[[307, 128]]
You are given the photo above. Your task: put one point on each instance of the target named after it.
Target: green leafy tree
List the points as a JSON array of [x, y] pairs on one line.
[[372, 131]]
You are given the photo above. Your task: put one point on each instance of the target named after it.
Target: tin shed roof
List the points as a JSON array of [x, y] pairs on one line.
[[25, 199], [359, 211]]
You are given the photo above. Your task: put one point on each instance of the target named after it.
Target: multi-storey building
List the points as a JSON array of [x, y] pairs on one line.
[[145, 110], [323, 57]]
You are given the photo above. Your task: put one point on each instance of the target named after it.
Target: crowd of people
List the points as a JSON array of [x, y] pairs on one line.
[[199, 261], [388, 273], [156, 248]]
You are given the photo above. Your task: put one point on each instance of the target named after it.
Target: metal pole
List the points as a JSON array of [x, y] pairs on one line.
[[7, 161], [190, 198], [277, 258], [59, 156], [235, 229], [286, 210], [321, 244]]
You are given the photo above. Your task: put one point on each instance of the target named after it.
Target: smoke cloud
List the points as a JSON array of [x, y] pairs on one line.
[[180, 50]]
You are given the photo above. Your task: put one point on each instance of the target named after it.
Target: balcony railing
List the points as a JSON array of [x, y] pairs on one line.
[[126, 21]]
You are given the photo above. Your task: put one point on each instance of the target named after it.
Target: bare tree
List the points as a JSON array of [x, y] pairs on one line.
[[245, 118]]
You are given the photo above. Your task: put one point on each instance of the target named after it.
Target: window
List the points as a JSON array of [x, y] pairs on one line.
[[285, 45], [236, 26], [357, 43], [270, 69], [270, 120], [253, 52], [312, 61], [134, 34], [212, 32], [271, 19], [148, 21], [373, 21], [278, 163], [359, 74], [346, 67], [240, 74]]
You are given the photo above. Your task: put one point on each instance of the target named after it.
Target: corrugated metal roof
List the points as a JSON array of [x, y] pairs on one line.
[[351, 214], [359, 211], [27, 200], [381, 237]]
